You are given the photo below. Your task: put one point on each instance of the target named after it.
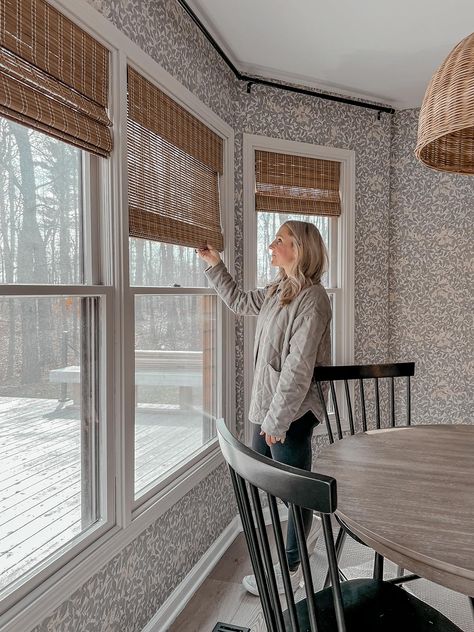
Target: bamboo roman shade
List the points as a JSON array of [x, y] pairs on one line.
[[296, 184], [53, 75], [174, 167]]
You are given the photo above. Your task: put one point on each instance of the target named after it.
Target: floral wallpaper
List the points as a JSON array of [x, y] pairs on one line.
[[165, 32], [431, 280], [413, 290]]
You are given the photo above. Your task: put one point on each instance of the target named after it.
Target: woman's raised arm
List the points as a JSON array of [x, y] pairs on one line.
[[240, 302]]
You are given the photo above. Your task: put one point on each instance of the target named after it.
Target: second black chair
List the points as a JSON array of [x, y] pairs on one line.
[[363, 397]]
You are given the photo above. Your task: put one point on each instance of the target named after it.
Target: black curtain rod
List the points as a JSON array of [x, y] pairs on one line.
[[272, 84]]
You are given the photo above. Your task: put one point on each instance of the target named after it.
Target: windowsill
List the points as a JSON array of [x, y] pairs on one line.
[[188, 471]]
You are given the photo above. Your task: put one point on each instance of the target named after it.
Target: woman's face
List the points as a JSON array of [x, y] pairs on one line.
[[283, 253]]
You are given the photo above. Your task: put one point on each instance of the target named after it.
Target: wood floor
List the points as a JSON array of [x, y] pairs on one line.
[[222, 597]]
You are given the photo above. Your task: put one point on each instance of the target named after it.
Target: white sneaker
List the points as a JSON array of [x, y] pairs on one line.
[[250, 583], [296, 577]]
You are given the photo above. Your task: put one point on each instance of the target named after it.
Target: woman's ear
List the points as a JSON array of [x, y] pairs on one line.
[[294, 248]]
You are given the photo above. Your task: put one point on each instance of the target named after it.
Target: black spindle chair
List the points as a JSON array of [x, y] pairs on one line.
[[360, 605], [337, 380]]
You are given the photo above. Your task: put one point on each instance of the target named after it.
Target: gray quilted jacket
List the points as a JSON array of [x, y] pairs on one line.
[[289, 342]]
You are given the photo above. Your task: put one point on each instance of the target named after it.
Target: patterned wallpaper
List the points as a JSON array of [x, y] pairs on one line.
[[432, 325], [431, 280], [165, 32]]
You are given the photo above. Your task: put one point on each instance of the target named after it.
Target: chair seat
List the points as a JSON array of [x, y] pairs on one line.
[[371, 605]]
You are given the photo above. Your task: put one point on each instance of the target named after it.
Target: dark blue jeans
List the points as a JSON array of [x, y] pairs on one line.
[[296, 451]]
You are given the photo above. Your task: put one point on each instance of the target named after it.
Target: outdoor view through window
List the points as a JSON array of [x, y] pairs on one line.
[[48, 355], [175, 359]]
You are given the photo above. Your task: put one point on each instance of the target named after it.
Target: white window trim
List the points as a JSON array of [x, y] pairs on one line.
[[150, 501], [343, 351], [39, 597]]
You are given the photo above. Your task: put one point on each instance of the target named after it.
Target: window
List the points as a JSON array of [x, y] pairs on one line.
[[52, 466], [175, 164], [175, 382], [291, 201], [55, 492]]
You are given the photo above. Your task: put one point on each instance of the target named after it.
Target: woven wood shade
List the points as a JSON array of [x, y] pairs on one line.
[[446, 123], [296, 184], [53, 75], [174, 167]]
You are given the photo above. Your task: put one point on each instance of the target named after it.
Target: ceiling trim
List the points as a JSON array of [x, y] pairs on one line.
[[251, 80]]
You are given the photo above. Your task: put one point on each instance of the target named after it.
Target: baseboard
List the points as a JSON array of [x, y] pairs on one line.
[[182, 594]]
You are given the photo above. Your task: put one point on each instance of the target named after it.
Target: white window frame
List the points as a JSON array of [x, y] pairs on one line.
[[95, 178], [225, 360], [341, 249], [36, 598]]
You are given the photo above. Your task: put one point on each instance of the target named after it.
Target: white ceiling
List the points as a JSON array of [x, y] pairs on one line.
[[379, 49]]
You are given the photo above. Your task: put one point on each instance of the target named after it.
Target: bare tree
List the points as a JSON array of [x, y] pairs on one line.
[[32, 268]]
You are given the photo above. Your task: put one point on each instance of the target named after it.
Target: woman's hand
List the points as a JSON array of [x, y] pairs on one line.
[[210, 256], [271, 440]]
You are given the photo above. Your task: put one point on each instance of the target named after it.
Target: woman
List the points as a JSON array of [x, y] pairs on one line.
[[292, 337]]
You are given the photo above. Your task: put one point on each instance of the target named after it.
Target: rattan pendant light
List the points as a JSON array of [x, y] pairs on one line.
[[446, 124]]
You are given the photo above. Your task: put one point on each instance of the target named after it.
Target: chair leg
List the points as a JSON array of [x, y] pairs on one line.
[[341, 538], [400, 573], [471, 601], [378, 566]]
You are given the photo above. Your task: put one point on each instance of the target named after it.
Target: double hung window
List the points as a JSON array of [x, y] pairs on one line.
[[175, 165], [54, 304], [286, 180]]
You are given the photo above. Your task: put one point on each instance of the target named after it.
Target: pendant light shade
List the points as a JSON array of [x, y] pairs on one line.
[[446, 123]]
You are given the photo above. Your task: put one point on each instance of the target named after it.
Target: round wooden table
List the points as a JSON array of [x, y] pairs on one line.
[[409, 494]]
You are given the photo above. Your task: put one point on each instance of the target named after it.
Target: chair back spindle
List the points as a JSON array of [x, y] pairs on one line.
[[408, 400], [349, 406], [280, 547], [336, 409], [377, 403], [265, 548]]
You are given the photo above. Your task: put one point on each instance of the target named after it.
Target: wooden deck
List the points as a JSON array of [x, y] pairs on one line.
[[40, 472]]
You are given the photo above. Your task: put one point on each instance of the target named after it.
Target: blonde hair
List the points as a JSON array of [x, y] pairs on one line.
[[310, 264]]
